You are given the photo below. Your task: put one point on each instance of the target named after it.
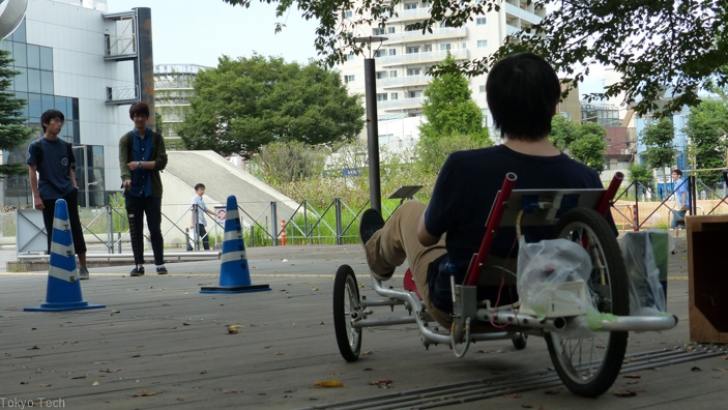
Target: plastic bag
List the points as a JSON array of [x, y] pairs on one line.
[[552, 278], [646, 295]]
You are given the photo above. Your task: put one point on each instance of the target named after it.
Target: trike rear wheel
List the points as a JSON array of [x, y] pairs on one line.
[[346, 306], [589, 364]]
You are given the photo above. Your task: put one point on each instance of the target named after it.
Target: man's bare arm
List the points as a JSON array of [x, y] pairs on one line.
[[423, 235], [72, 175], [33, 177]]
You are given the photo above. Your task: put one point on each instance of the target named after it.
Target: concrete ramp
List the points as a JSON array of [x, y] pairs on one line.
[[187, 168]]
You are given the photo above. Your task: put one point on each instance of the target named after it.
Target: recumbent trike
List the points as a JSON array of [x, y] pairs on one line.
[[586, 341]]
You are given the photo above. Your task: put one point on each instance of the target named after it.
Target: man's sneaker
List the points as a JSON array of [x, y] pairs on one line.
[[371, 222], [137, 271], [83, 273], [161, 270]]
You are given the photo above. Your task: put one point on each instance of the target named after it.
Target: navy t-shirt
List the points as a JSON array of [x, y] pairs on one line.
[[141, 150], [468, 183], [54, 160]]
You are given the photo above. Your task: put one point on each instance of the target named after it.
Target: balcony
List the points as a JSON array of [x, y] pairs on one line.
[[401, 82], [122, 95], [422, 58], [401, 104], [441, 33], [522, 14], [511, 30], [405, 16]]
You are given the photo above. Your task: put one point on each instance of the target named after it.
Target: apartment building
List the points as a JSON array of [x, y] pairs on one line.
[[403, 59]]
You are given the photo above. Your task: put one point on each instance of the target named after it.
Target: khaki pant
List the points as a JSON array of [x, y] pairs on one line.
[[397, 241]]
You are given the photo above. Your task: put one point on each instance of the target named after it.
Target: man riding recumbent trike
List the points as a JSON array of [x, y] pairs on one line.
[[516, 240]]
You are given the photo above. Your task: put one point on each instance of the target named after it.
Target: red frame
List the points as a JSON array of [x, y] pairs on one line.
[[496, 214]]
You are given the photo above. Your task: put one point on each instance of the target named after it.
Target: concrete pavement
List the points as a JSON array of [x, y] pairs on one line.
[[160, 344]]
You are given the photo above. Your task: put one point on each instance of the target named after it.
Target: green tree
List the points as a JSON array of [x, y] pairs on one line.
[[707, 128], [12, 130], [657, 138], [650, 43], [247, 103], [563, 132], [590, 145], [454, 121], [640, 174], [584, 142], [284, 162]]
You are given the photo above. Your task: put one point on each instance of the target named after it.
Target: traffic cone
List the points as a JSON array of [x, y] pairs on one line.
[[234, 271], [64, 289]]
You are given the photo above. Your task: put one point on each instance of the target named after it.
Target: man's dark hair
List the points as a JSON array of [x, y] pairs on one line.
[[677, 171], [51, 115], [523, 91], [199, 185], [140, 108]]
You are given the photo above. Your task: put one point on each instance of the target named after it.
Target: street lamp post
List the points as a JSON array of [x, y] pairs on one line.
[[370, 92]]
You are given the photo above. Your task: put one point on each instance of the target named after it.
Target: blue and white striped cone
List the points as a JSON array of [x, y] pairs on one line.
[[64, 289], [234, 271]]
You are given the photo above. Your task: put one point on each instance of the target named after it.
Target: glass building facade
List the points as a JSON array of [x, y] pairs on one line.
[[33, 84]]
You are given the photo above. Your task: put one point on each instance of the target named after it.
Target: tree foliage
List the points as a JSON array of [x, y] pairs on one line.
[[584, 142], [640, 174], [13, 132], [247, 103], [454, 120], [657, 138], [284, 162], [707, 129], [654, 45]]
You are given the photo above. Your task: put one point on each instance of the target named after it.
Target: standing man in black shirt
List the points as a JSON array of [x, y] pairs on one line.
[[439, 239], [52, 175], [141, 157]]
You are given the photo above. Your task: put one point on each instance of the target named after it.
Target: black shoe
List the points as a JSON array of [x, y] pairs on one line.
[[161, 270], [371, 222], [137, 271]]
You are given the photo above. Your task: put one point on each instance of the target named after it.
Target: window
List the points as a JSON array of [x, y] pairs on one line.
[[20, 54], [350, 57], [46, 58], [381, 96], [413, 49], [427, 47], [47, 103], [390, 30], [414, 94], [392, 51], [378, 53], [348, 78], [445, 47], [33, 80], [480, 21], [348, 14], [393, 96], [414, 71], [482, 43], [20, 83], [393, 74], [381, 74], [410, 6], [33, 56], [378, 31], [35, 108]]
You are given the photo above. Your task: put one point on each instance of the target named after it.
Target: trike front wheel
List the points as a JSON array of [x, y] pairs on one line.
[[346, 307]]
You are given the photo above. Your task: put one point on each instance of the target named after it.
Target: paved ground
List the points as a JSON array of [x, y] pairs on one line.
[[161, 344]]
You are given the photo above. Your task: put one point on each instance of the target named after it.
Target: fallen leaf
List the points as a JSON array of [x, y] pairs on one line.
[[146, 393], [526, 406], [186, 324], [368, 369], [632, 376], [78, 377], [382, 384], [233, 329], [95, 383], [367, 353], [203, 372], [136, 355], [696, 369], [34, 348], [625, 393], [551, 392], [329, 383]]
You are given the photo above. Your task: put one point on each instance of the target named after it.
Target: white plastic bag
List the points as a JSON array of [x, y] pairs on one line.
[[552, 278], [646, 296]]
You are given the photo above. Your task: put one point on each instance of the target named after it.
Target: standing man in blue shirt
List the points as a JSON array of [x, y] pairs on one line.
[[141, 157], [682, 202], [199, 211], [52, 174]]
